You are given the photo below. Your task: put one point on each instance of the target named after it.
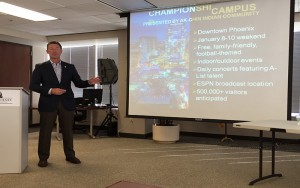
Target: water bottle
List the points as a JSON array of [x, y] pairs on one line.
[[95, 101]]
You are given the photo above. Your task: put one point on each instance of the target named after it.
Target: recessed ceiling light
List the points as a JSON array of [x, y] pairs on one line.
[[23, 12]]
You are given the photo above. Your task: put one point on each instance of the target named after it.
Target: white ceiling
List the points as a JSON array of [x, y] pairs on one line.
[[81, 16]]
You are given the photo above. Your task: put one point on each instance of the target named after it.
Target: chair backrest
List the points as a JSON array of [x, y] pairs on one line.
[[79, 101], [80, 115]]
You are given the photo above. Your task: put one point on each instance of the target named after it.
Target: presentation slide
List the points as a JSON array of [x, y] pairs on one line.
[[221, 61]]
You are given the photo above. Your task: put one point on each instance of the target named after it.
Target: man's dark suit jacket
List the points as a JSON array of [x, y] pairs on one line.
[[43, 78]]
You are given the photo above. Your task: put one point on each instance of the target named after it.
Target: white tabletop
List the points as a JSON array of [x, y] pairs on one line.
[[267, 125]]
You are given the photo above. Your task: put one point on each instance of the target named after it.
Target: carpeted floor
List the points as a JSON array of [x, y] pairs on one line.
[[193, 162], [127, 184]]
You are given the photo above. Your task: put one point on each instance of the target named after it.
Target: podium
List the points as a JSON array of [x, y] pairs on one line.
[[14, 106]]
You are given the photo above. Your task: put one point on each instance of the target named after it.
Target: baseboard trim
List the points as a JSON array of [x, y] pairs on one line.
[[131, 135], [238, 137], [210, 135], [34, 125], [195, 134]]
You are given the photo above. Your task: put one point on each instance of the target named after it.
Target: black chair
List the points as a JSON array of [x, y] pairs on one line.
[[80, 115]]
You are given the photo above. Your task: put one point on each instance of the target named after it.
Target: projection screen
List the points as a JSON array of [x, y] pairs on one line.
[[222, 61]]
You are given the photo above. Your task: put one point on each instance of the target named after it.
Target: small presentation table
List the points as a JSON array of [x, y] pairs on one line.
[[90, 110], [273, 126]]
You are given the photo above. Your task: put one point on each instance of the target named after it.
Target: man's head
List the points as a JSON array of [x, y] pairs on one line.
[[54, 50], [54, 42]]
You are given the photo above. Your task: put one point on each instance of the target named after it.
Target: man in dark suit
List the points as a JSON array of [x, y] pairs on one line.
[[52, 79]]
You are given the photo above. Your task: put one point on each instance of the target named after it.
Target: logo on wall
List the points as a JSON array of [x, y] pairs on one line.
[[5, 100]]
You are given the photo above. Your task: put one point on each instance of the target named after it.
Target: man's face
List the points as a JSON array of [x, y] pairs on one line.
[[54, 51]]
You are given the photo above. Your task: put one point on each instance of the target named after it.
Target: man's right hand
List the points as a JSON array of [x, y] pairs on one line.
[[57, 91]]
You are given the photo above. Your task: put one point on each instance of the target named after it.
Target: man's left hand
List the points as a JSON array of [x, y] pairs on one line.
[[94, 81]]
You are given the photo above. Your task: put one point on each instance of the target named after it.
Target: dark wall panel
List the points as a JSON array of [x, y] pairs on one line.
[[15, 65]]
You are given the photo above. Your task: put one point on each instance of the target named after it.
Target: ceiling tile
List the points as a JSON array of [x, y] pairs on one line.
[[66, 3], [128, 5], [172, 3], [96, 8]]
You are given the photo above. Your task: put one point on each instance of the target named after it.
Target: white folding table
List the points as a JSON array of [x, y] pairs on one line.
[[273, 126]]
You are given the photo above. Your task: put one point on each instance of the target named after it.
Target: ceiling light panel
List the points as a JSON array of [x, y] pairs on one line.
[[23, 12], [36, 5], [64, 13]]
